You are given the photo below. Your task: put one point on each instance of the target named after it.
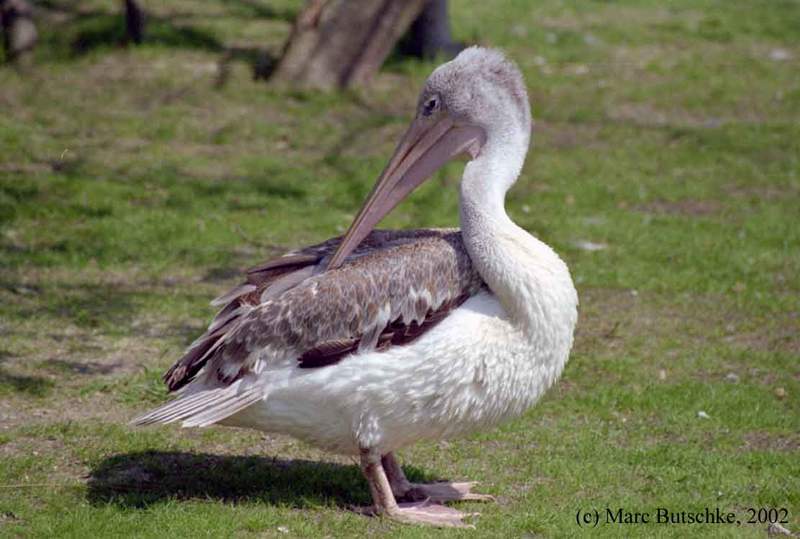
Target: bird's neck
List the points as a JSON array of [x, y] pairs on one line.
[[529, 279]]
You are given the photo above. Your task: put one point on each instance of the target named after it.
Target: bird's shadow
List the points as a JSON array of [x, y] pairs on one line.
[[137, 480]]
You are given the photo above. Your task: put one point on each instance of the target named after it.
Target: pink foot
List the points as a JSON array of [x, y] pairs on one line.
[[446, 491], [432, 514]]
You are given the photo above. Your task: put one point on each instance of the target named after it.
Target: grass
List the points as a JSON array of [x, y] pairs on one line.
[[137, 183]]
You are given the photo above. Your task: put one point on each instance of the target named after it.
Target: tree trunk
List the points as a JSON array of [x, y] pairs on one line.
[[429, 35], [19, 32], [342, 43], [134, 22]]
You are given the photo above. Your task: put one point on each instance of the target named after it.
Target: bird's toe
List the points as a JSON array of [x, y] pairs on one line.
[[446, 491], [432, 514]]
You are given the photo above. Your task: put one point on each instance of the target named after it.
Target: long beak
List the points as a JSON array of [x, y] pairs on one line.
[[423, 150]]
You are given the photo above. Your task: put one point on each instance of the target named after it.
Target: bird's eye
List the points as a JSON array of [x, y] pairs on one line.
[[431, 104]]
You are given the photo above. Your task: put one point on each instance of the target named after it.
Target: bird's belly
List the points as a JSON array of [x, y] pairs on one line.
[[471, 371]]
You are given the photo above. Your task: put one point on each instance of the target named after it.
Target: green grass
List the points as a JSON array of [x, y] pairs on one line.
[[137, 183]]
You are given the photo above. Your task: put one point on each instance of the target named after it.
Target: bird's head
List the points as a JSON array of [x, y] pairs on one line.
[[480, 88], [476, 99]]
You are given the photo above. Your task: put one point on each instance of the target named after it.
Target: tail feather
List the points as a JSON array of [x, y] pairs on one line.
[[224, 409], [202, 408], [180, 408]]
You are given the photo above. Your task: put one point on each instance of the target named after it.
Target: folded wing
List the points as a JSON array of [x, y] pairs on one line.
[[292, 311]]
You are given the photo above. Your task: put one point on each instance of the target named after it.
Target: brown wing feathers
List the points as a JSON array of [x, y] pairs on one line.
[[398, 332], [258, 278], [394, 288]]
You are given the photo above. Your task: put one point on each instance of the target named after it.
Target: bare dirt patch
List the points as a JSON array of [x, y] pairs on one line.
[[648, 115], [692, 208], [17, 411], [766, 441], [567, 135], [26, 168], [768, 193], [622, 15], [785, 337]]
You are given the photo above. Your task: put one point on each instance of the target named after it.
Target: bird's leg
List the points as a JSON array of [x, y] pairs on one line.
[[385, 504], [442, 491], [397, 479]]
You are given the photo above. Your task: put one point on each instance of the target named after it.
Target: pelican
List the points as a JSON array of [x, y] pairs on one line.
[[365, 344]]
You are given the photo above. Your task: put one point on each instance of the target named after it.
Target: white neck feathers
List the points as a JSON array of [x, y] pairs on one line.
[[532, 283]]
